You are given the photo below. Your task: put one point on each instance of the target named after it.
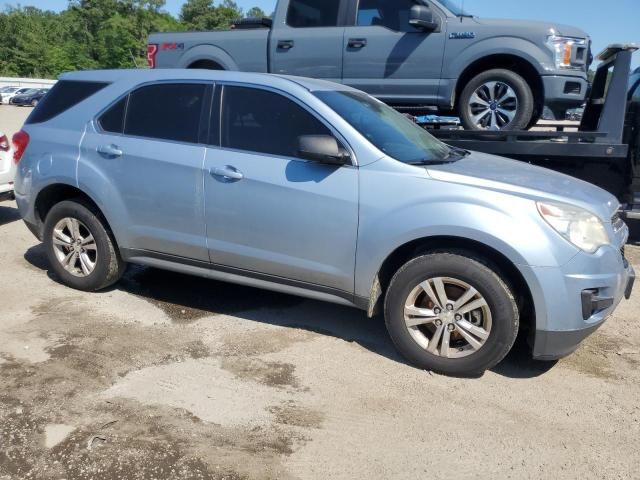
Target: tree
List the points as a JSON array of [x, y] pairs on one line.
[[256, 12], [204, 15]]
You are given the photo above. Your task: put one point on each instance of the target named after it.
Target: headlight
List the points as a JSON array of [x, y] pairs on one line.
[[580, 227], [562, 48]]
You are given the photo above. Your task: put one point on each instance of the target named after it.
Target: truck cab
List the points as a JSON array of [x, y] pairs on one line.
[[411, 54]]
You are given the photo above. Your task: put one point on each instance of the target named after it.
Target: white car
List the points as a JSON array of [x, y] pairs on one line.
[[7, 168], [7, 94]]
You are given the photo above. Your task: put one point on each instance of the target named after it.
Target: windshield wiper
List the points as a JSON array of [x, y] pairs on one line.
[[453, 155]]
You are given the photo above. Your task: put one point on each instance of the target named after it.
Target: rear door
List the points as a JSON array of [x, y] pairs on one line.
[[309, 42], [146, 146], [387, 57]]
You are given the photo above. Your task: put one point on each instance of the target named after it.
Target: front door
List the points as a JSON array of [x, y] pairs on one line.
[[144, 150], [388, 58], [309, 44], [269, 212]]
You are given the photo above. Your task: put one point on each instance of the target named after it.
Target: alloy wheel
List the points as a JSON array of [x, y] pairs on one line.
[[493, 106], [75, 247], [448, 317]]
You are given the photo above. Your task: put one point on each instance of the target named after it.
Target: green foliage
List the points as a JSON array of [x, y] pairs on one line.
[[92, 34]]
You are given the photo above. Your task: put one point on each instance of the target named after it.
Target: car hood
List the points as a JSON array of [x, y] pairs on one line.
[[528, 25], [519, 178]]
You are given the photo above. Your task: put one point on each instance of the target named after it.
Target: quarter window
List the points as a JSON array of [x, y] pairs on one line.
[[392, 14], [260, 121], [313, 13], [64, 95], [113, 119], [168, 111]]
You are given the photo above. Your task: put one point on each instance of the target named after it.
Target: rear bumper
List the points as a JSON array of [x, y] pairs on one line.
[[573, 301], [564, 91]]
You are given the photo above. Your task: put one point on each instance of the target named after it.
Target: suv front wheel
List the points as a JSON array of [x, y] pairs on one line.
[[496, 100], [450, 313], [80, 249]]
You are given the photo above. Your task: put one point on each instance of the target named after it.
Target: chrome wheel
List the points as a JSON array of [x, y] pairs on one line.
[[447, 317], [74, 247], [493, 106]]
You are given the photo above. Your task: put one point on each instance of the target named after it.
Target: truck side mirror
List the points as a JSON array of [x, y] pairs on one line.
[[422, 18], [323, 149]]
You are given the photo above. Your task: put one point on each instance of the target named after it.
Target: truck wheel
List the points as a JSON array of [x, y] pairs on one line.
[[81, 251], [450, 313], [496, 100]]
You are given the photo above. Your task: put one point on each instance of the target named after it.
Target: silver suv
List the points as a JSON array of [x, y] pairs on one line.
[[316, 189]]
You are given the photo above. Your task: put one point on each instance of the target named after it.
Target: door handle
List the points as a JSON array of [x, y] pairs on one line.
[[110, 151], [228, 173], [357, 43], [286, 44]]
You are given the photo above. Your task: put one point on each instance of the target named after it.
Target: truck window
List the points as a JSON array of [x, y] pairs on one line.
[[313, 13], [392, 14], [260, 121], [167, 111]]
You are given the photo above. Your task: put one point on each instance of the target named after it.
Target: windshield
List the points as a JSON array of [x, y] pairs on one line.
[[29, 92], [454, 6], [388, 130]]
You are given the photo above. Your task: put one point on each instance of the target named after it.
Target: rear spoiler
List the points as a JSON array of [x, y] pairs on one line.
[[252, 23]]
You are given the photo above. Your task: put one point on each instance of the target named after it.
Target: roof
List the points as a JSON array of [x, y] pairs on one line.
[[146, 75]]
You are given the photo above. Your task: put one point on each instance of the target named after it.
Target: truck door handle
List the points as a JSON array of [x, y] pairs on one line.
[[110, 151], [357, 43], [286, 44], [227, 172]]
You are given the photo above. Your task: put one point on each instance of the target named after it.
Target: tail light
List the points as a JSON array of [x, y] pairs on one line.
[[152, 49], [20, 142], [4, 143]]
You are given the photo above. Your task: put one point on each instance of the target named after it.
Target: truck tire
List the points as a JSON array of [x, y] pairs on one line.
[[496, 100], [451, 313], [80, 248]]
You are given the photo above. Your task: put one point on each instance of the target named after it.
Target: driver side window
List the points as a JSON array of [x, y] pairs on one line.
[[392, 14]]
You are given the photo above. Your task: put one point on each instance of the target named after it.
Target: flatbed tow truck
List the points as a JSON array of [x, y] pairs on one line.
[[605, 149]]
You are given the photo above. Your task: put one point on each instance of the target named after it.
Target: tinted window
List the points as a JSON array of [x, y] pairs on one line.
[[166, 111], [64, 95], [265, 122], [636, 94], [313, 13], [113, 119], [393, 14]]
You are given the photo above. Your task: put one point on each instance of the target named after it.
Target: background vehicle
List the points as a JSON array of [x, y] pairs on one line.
[[496, 74], [31, 97], [606, 148], [320, 190], [11, 92], [7, 168]]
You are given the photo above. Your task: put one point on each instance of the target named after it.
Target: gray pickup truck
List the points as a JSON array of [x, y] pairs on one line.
[[495, 74]]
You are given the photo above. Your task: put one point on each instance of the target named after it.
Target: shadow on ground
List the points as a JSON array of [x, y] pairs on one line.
[[186, 298], [8, 215]]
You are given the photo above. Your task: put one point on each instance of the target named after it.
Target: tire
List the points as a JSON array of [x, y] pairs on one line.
[[34, 103], [102, 252], [482, 94], [497, 319]]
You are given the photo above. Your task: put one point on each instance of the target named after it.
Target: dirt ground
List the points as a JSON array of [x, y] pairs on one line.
[[172, 377]]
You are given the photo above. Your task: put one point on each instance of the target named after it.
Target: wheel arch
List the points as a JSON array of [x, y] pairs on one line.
[[421, 246], [511, 62], [206, 64]]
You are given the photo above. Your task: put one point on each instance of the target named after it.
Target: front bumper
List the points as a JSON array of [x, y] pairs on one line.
[[564, 317], [562, 91]]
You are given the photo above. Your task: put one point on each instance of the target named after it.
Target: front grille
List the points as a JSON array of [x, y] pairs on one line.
[[572, 88]]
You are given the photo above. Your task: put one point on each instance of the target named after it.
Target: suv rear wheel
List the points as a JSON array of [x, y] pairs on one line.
[[451, 313], [80, 248], [496, 100]]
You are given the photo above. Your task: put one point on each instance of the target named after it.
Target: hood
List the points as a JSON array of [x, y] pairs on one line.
[[527, 25], [519, 178]]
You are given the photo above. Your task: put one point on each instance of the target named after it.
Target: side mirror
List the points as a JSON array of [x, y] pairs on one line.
[[323, 149], [421, 17]]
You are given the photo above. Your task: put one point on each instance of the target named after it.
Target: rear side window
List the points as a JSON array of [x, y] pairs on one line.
[[168, 111], [313, 13], [64, 95], [113, 119], [260, 121]]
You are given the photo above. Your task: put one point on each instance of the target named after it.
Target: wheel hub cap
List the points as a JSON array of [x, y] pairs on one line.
[[74, 247], [493, 106]]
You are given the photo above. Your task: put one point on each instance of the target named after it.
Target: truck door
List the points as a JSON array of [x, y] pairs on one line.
[[307, 40], [390, 59]]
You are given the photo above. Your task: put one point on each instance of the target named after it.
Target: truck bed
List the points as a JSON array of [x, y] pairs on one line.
[[241, 49]]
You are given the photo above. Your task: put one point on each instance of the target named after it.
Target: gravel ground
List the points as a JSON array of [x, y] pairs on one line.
[[173, 377]]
